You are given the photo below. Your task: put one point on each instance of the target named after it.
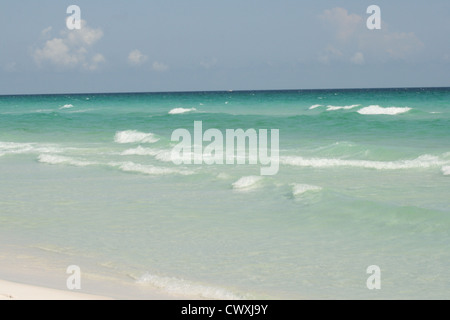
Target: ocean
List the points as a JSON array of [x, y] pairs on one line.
[[363, 180]]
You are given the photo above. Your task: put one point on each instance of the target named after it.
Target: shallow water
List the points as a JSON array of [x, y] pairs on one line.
[[363, 180]]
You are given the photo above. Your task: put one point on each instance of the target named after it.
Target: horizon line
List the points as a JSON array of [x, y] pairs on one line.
[[217, 91]]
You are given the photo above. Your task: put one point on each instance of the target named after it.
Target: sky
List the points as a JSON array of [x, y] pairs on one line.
[[205, 45]]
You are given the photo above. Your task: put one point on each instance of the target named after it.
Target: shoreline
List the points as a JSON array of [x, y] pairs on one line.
[[31, 274], [17, 291]]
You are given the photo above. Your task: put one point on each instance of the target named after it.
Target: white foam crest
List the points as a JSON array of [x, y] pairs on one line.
[[133, 136], [162, 155], [375, 109], [424, 161], [140, 151], [166, 156], [446, 170], [334, 108], [13, 147], [299, 189], [185, 288], [56, 159], [315, 106], [66, 106], [22, 148], [246, 183], [181, 110], [149, 169]]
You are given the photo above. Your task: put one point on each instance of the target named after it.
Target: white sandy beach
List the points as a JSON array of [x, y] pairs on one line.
[[36, 274], [16, 291]]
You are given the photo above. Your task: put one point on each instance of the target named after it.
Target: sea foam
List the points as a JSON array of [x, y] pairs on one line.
[[424, 161], [159, 154], [66, 106], [15, 148], [246, 183], [181, 110], [133, 136], [56, 159], [182, 287], [140, 151], [23, 148], [375, 109], [334, 108], [164, 155], [315, 106], [299, 189], [149, 169], [446, 170]]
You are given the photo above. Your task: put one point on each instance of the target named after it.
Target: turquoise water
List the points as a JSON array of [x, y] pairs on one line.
[[364, 180]]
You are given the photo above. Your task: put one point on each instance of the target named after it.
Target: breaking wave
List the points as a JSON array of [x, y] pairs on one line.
[[133, 136], [424, 161], [375, 109], [181, 110], [149, 169], [247, 183], [182, 287], [299, 189], [446, 170], [334, 108], [56, 159], [161, 155], [23, 148], [66, 106]]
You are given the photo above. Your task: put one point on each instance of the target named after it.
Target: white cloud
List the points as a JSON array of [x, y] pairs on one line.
[[136, 58], [46, 31], [95, 62], [329, 54], [349, 34], [159, 66], [86, 36], [56, 51], [72, 49], [341, 22], [358, 58], [396, 45]]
